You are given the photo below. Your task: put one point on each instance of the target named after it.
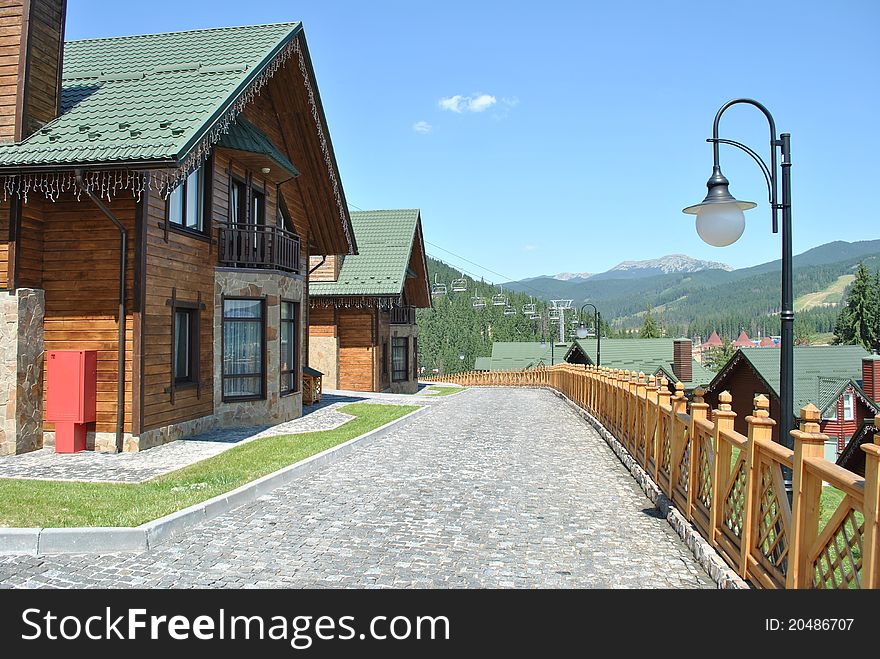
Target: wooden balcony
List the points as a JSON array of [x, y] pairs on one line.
[[260, 246], [403, 315]]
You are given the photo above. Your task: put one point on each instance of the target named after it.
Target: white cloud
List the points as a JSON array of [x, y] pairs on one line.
[[422, 127], [529, 248], [459, 103]]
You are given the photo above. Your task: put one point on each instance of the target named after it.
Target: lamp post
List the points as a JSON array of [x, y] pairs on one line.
[[582, 331], [720, 222], [544, 345]]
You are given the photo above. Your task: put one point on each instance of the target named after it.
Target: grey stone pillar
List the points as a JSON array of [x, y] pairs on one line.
[[21, 370]]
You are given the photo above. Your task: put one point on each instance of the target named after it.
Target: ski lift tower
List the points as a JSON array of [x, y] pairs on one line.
[[561, 306]]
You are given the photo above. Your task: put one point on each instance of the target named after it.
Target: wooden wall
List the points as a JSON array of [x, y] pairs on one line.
[[357, 349], [744, 384], [5, 247], [328, 270], [322, 321], [31, 43], [185, 263], [11, 17]]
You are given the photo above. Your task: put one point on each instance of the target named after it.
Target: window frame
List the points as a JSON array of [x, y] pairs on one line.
[[293, 339], [243, 208], [415, 358], [405, 371], [385, 371], [832, 411], [194, 319], [852, 407], [223, 375], [207, 174]]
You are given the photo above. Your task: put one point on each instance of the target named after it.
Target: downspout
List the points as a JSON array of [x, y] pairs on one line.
[[323, 258], [120, 353]]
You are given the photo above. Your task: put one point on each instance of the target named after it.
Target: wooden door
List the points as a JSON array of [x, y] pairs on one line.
[[356, 349]]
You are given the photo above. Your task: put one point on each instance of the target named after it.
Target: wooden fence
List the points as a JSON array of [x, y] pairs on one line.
[[730, 486]]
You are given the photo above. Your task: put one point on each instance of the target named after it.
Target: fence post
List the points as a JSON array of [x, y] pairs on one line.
[[760, 429], [679, 405], [806, 495], [871, 543], [699, 411], [663, 396], [724, 418]]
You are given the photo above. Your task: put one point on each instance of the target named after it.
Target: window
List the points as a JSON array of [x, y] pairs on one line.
[[415, 361], [289, 340], [831, 413], [848, 407], [237, 203], [385, 359], [258, 207], [244, 353], [186, 203], [399, 358], [186, 342]]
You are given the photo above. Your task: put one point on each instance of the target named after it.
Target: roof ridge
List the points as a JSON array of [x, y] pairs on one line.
[[292, 24]]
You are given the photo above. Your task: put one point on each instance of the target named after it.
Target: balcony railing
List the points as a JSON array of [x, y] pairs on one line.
[[403, 315], [263, 246]]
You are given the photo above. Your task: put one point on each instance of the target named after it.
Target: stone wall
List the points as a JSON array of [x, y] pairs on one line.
[[21, 370], [274, 408], [324, 356], [411, 385]]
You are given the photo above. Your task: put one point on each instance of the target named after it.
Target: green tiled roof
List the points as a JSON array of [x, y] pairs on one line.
[[814, 366], [516, 355], [483, 364], [147, 98], [629, 354], [701, 376], [244, 136], [385, 239]]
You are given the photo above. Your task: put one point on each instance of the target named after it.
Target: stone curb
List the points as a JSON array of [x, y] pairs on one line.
[[106, 540], [723, 576]]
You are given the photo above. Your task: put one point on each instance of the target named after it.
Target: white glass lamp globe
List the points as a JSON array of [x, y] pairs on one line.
[[582, 331], [720, 224]]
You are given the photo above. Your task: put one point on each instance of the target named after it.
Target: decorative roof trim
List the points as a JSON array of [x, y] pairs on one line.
[[383, 302]]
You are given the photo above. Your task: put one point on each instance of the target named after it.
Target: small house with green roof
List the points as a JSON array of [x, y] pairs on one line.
[[840, 380], [669, 358], [519, 355], [161, 197], [363, 334]]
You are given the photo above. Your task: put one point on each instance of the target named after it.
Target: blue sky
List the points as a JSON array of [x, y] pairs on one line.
[[567, 136]]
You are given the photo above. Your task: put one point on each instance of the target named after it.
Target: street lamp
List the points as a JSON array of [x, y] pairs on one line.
[[720, 222], [582, 331]]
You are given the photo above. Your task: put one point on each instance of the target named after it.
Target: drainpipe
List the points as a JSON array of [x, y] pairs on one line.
[[120, 354], [323, 258]]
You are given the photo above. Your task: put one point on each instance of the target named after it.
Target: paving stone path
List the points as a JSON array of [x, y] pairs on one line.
[[493, 488], [141, 466]]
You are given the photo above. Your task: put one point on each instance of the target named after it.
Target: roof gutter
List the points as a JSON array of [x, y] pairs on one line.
[[52, 168], [120, 352]]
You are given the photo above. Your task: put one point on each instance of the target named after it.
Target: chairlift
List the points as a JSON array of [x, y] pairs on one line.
[[499, 300], [459, 285], [438, 289], [509, 310], [529, 309], [534, 316], [478, 302], [554, 314]]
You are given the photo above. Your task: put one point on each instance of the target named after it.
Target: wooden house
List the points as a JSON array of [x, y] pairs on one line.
[[669, 358], [839, 380], [161, 197], [363, 334]]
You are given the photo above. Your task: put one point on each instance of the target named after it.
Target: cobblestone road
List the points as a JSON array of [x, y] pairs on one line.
[[493, 488]]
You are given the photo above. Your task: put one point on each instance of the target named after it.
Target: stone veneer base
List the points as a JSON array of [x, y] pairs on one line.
[[105, 540]]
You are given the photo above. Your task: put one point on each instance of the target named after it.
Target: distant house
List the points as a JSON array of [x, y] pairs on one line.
[[743, 341], [830, 377], [517, 355], [670, 358], [362, 328]]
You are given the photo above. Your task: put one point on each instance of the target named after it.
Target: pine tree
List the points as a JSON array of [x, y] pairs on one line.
[[859, 321], [649, 327]]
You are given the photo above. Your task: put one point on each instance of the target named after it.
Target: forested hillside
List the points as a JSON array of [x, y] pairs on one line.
[[454, 327]]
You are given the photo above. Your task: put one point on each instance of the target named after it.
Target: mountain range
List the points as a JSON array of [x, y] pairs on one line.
[[689, 292]]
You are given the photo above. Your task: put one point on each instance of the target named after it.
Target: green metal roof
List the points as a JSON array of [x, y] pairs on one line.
[[814, 367], [483, 364], [244, 136], [147, 98], [701, 376], [385, 239], [517, 355], [629, 354]]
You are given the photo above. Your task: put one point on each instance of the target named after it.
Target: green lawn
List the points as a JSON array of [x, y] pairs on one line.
[[32, 503], [438, 390]]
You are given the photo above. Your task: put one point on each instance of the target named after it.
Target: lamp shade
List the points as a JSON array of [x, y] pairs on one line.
[[582, 331], [720, 220]]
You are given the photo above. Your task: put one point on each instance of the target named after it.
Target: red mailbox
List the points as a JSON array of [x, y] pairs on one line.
[[71, 396]]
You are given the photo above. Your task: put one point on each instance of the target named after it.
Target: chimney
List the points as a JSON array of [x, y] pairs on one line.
[[871, 376], [683, 359], [32, 45]]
